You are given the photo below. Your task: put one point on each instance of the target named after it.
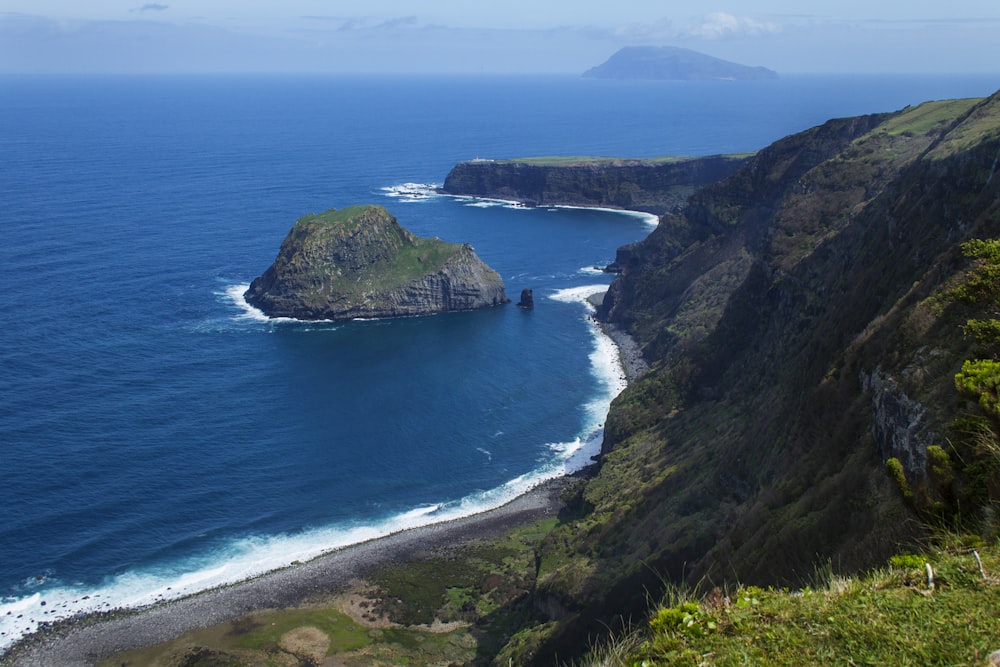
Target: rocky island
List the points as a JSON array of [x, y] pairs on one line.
[[672, 63], [359, 262]]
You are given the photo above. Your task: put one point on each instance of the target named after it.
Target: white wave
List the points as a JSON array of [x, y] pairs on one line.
[[592, 271], [494, 203], [412, 192], [252, 556], [578, 294], [649, 219], [235, 294]]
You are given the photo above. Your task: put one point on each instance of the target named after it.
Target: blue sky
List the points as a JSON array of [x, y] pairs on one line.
[[514, 36]]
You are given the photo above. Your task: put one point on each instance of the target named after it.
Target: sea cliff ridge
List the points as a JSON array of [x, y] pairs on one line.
[[654, 185]]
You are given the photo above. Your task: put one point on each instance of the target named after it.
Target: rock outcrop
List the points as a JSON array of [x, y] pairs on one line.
[[654, 186], [359, 262]]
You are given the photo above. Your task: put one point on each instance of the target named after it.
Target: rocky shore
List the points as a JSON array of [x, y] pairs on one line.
[[87, 640], [629, 351]]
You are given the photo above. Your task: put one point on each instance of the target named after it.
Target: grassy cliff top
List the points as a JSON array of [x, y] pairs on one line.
[[347, 218], [604, 161]]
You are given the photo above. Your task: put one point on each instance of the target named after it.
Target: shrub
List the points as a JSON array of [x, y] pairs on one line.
[[894, 469]]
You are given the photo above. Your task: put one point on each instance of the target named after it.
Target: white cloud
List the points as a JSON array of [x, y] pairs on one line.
[[720, 24], [651, 32]]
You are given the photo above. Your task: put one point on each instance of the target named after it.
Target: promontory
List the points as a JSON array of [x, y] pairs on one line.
[[359, 262]]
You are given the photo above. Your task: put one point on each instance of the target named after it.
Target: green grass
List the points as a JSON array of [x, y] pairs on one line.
[[888, 617], [348, 217], [577, 160], [925, 117], [265, 630]]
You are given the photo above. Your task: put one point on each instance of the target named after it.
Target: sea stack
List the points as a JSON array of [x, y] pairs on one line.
[[359, 262]]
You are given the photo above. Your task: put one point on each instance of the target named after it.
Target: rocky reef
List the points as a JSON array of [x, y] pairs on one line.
[[359, 262], [654, 186]]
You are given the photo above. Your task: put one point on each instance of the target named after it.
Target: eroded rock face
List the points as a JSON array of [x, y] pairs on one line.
[[359, 262], [899, 424]]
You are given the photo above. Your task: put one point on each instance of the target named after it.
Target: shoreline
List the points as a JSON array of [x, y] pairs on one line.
[[629, 351], [85, 640]]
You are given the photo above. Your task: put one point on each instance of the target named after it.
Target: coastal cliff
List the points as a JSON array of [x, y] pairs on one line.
[[804, 337], [652, 186], [359, 262]]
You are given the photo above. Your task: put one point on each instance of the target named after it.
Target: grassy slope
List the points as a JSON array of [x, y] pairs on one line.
[[889, 616]]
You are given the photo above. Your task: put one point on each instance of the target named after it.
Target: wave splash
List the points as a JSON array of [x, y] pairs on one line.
[[412, 193], [241, 559]]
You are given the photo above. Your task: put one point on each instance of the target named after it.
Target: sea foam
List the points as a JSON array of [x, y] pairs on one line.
[[412, 193]]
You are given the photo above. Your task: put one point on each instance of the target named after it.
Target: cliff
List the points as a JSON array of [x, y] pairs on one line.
[[359, 262], [803, 333], [653, 186], [671, 63]]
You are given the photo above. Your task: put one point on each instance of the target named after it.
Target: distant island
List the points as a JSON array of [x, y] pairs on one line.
[[359, 262], [671, 63]]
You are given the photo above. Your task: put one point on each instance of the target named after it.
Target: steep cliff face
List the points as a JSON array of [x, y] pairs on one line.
[[637, 185], [358, 262], [800, 328]]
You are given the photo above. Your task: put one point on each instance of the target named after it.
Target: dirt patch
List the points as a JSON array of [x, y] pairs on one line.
[[361, 603], [306, 643]]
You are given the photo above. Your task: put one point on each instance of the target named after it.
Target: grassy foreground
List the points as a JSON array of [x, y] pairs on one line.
[[897, 615]]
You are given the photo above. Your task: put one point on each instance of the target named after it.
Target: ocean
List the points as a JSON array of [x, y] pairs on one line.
[[159, 437]]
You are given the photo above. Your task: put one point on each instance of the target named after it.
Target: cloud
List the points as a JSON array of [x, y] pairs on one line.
[[366, 23], [720, 24], [654, 31], [152, 7], [402, 22]]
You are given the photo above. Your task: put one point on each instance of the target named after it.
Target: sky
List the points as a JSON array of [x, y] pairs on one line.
[[491, 37]]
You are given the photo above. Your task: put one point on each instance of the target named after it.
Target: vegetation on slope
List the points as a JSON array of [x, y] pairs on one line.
[[921, 609], [802, 330], [396, 258]]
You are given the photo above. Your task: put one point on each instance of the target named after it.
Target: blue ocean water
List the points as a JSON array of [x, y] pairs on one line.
[[158, 437]]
